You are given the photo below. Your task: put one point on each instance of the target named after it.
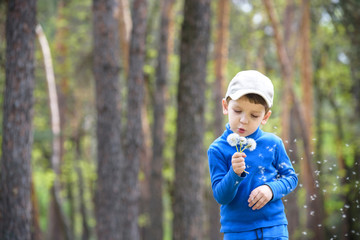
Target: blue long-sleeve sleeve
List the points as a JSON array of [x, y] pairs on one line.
[[225, 182], [287, 179]]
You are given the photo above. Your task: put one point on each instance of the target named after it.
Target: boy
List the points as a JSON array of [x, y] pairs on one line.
[[251, 206]]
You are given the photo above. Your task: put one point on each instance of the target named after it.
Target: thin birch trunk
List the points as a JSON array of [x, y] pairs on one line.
[[55, 127]]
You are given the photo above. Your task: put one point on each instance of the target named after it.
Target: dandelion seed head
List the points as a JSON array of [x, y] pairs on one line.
[[242, 140], [233, 139], [251, 143]]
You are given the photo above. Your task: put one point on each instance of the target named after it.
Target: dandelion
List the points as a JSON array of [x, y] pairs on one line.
[[251, 144], [233, 139], [245, 143]]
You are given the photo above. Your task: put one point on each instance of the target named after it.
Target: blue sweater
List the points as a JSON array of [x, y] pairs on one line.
[[267, 164]]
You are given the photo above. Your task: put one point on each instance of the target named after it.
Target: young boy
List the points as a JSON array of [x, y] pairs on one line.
[[251, 206]]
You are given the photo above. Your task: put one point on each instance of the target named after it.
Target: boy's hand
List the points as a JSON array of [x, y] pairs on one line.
[[260, 196], [238, 162]]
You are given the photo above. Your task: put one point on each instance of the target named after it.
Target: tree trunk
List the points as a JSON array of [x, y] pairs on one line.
[[350, 20], [77, 137], [134, 131], [15, 165], [125, 26], [307, 172], [56, 213], [306, 66], [290, 201], [62, 73], [110, 157], [189, 166], [221, 57], [286, 71], [307, 102], [156, 181], [36, 233]]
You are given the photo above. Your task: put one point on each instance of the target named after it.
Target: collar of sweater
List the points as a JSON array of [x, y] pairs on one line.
[[255, 135]]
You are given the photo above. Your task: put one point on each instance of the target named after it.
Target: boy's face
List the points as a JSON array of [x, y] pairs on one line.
[[244, 117]]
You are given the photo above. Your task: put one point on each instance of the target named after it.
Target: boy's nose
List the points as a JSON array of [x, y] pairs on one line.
[[243, 119]]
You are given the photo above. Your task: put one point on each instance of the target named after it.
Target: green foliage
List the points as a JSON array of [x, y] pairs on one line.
[[69, 32]]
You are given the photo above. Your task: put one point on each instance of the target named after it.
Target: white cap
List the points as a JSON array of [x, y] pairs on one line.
[[251, 81]]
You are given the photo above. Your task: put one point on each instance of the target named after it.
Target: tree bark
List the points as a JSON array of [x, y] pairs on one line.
[[125, 26], [189, 168], [351, 20], [15, 165], [307, 172], [56, 212], [286, 71], [134, 130], [221, 58], [307, 103], [110, 156], [77, 137], [155, 230]]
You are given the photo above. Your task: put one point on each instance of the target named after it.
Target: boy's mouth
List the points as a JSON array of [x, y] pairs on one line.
[[241, 130]]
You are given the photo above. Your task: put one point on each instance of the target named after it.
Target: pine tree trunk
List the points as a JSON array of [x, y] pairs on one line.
[[134, 130], [15, 165], [307, 172], [350, 19], [221, 58], [125, 26], [155, 230], [189, 153], [110, 157]]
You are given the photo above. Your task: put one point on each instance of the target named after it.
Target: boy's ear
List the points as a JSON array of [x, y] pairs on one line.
[[225, 106], [266, 117]]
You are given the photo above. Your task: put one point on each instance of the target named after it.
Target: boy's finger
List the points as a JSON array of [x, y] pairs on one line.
[[259, 204], [253, 198], [239, 154]]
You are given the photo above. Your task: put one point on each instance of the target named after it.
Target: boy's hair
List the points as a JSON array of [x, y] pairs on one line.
[[254, 98]]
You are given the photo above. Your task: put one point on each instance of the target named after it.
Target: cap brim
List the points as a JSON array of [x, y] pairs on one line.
[[238, 94]]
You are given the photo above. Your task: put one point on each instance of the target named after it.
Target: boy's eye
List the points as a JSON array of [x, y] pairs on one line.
[[254, 116]]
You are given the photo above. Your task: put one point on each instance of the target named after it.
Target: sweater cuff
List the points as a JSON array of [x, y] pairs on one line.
[[274, 188], [237, 177]]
